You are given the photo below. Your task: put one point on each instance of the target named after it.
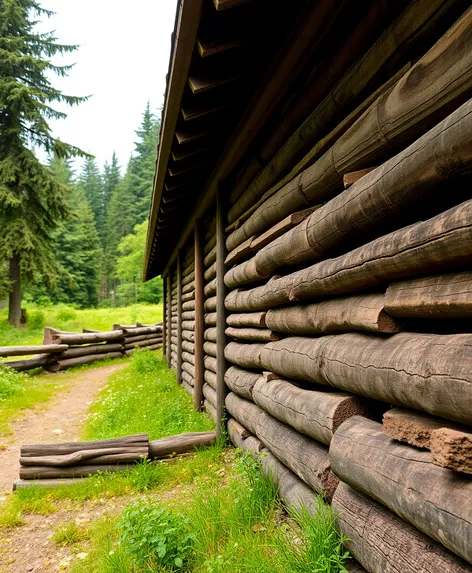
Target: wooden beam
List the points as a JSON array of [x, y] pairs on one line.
[[209, 48], [225, 4], [221, 292], [199, 318], [164, 317], [179, 318], [201, 84], [198, 111], [169, 316], [187, 136]]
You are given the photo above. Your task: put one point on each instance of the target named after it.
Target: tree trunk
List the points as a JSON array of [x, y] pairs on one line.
[[14, 298]]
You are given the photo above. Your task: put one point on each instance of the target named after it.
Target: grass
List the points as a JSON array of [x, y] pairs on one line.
[[65, 317], [70, 534]]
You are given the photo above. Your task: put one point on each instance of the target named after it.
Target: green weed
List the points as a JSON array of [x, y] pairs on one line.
[[70, 534], [11, 382]]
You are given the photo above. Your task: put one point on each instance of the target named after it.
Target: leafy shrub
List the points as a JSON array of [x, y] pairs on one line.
[[36, 319], [11, 382], [144, 361], [155, 536], [65, 313]]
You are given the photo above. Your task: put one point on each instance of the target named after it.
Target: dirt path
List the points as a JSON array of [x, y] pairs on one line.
[[59, 422]]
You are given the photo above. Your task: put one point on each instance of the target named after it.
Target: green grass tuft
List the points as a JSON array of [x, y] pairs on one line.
[[70, 534]]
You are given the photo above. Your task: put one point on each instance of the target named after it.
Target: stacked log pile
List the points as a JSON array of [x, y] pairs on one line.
[[209, 291], [188, 319], [63, 350], [350, 294]]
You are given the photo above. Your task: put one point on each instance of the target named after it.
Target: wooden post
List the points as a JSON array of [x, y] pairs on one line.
[[164, 317], [179, 318], [169, 317], [221, 291], [199, 318]]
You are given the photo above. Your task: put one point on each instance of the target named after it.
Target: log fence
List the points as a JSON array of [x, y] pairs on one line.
[[63, 350]]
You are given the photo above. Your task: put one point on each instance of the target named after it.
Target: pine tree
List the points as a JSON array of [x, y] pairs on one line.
[[92, 183], [111, 178], [32, 201]]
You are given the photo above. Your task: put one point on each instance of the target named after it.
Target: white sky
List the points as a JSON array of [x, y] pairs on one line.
[[122, 60]]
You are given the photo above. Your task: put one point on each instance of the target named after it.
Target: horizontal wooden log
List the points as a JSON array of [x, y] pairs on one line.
[[188, 267], [210, 288], [188, 357], [412, 427], [189, 368], [209, 348], [210, 378], [244, 355], [395, 119], [437, 244], [91, 349], [237, 433], [210, 363], [210, 394], [38, 361], [313, 413], [143, 330], [156, 346], [105, 455], [188, 297], [441, 296], [211, 242], [180, 444], [152, 336], [210, 272], [188, 315], [58, 482], [70, 362], [210, 258], [210, 319], [241, 252], [188, 325], [189, 279], [210, 304], [383, 542], [26, 350], [73, 339], [365, 313], [350, 178], [240, 381], [427, 372], [210, 409], [64, 448], [144, 343], [49, 332], [306, 458], [452, 449], [252, 334], [44, 472], [431, 498], [188, 379], [255, 319], [210, 334], [188, 288], [188, 335], [188, 346]]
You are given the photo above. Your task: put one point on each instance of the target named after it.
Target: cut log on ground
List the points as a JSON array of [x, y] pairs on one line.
[[315, 414], [44, 472], [244, 355], [384, 543], [26, 350], [364, 312], [305, 457], [427, 372], [241, 381], [93, 456], [39, 361], [433, 499], [443, 242], [65, 448], [252, 334], [180, 444], [441, 296], [452, 449]]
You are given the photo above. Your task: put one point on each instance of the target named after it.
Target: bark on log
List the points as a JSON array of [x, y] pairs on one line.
[[210, 348], [305, 457], [25, 350], [210, 304], [210, 394], [210, 334], [241, 252], [188, 346], [237, 433], [240, 381], [44, 472], [64, 448], [315, 414], [38, 361], [441, 296], [143, 330], [427, 372], [210, 363], [252, 334], [70, 362], [210, 319], [443, 242], [412, 427], [383, 542], [91, 457], [412, 107], [255, 319], [452, 449], [73, 339], [92, 349], [244, 355], [210, 378], [365, 312], [433, 499], [180, 444]]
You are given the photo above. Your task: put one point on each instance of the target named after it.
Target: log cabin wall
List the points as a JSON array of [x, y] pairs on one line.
[[188, 319], [173, 320], [348, 269]]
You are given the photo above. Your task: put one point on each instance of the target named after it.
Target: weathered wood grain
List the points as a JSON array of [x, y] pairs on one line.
[[255, 319], [180, 444], [244, 355], [25, 350], [241, 381], [452, 449], [252, 334]]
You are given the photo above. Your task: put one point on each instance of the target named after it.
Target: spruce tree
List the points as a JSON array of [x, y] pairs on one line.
[[111, 178], [32, 201], [92, 183]]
